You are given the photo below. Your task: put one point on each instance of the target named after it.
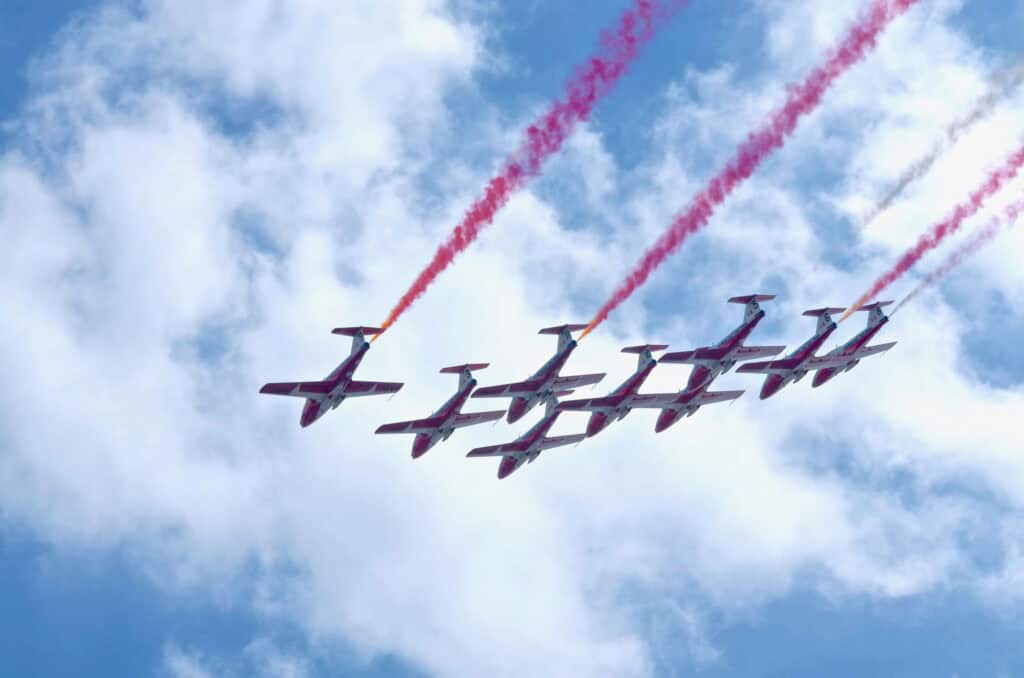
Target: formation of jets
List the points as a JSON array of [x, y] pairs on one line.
[[548, 387]]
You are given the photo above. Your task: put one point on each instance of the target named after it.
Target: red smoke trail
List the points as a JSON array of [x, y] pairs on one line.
[[966, 251], [635, 28], [802, 99], [951, 224]]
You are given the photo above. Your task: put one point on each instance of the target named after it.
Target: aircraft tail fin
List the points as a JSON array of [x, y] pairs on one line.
[[824, 316], [564, 332], [876, 316], [465, 371], [643, 352], [751, 301], [358, 334]]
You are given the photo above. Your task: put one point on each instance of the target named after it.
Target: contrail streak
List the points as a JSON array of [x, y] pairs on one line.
[[976, 242], [944, 228], [593, 80], [1002, 87], [802, 99]]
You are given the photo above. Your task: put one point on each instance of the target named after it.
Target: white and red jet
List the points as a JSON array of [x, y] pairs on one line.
[[441, 424], [620, 402], [793, 367], [545, 381], [844, 358], [527, 447], [323, 396], [711, 361]]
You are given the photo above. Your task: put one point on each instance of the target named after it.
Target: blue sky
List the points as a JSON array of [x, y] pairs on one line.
[[93, 602]]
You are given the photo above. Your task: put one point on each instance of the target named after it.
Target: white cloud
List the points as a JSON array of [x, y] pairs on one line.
[[159, 269]]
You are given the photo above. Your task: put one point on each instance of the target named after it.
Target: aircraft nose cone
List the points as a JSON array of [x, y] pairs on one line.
[[771, 386], [596, 424], [516, 410], [665, 419], [310, 412], [420, 446], [508, 465]]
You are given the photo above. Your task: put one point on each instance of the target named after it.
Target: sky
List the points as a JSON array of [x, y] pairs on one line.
[[193, 194]]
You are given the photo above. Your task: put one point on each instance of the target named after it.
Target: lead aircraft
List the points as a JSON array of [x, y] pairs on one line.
[[793, 367], [527, 447], [323, 396], [711, 361], [620, 402], [441, 424], [844, 358], [545, 381]]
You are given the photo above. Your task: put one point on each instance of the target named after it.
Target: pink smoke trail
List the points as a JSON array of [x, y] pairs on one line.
[[618, 49], [944, 228], [971, 247], [802, 99], [1002, 87]]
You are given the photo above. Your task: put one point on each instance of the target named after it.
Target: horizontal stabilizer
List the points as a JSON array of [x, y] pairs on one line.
[[874, 305], [563, 328], [751, 297], [353, 331], [559, 441], [313, 390], [645, 347], [457, 369], [818, 312]]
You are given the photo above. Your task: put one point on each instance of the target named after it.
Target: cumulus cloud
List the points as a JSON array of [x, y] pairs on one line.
[[201, 192]]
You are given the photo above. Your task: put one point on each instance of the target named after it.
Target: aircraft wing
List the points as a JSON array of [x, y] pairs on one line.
[[313, 390], [710, 397], [519, 388], [654, 401], [678, 357], [578, 381], [752, 352], [477, 418], [783, 366], [872, 350], [558, 441], [355, 389], [428, 425], [591, 404], [504, 450]]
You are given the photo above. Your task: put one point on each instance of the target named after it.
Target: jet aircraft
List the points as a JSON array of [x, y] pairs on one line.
[[545, 381], [793, 367], [323, 396], [441, 424], [618, 403], [856, 349], [527, 447], [711, 361]]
